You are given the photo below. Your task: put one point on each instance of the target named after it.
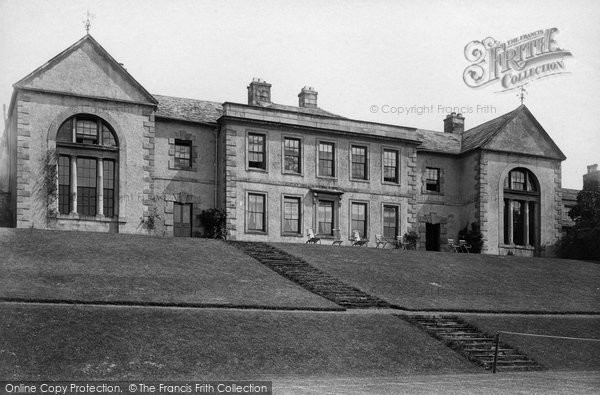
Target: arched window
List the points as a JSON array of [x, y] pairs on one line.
[[521, 206], [88, 157]]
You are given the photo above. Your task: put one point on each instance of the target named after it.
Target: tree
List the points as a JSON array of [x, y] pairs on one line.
[[582, 241]]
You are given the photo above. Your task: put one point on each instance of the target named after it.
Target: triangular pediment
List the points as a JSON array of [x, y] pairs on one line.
[[86, 69], [523, 134]]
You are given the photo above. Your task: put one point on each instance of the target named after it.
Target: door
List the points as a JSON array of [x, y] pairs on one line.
[[432, 237], [182, 220]]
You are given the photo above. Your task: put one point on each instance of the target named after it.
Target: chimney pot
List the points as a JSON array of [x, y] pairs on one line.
[[592, 168]]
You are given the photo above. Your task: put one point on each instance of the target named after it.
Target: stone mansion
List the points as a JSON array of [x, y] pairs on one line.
[[87, 148]]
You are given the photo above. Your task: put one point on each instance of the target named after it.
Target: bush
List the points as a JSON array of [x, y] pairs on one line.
[[472, 236], [411, 238], [582, 241], [214, 224]]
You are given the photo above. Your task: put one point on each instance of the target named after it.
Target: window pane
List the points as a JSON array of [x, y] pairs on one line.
[[108, 139], [291, 215], [65, 132], [326, 159], [390, 166], [108, 176], [183, 153], [532, 223], [432, 179], [517, 178], [86, 186], [359, 218], [256, 151], [256, 212], [518, 222], [390, 222], [64, 184], [87, 131], [359, 162], [506, 218], [325, 217], [292, 155]]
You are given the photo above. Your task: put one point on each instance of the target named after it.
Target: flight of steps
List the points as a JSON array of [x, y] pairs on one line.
[[476, 346], [309, 277]]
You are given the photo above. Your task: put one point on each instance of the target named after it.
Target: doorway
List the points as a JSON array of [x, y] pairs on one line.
[[432, 237], [182, 219]]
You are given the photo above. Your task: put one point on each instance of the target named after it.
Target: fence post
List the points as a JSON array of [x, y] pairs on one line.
[[496, 343]]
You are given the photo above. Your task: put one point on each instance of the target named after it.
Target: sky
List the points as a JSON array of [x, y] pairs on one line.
[[395, 62]]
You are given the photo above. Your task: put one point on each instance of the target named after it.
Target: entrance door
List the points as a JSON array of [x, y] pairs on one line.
[[432, 237], [182, 220]]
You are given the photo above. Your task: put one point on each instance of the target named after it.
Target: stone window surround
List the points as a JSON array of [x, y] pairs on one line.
[[367, 147], [246, 145], [337, 205], [296, 137], [335, 158], [247, 194], [300, 198], [398, 165], [424, 180], [367, 217], [183, 135]]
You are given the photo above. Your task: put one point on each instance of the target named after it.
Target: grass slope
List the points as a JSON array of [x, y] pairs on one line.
[[552, 353], [438, 280], [128, 268], [92, 342]]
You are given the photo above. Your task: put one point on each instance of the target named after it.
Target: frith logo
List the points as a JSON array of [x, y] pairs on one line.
[[515, 62]]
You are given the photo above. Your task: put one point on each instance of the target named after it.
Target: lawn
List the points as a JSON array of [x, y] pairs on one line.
[[552, 353], [439, 280], [145, 343], [98, 267]]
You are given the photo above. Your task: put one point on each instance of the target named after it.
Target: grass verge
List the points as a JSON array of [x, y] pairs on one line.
[[472, 282], [559, 354], [84, 343], [98, 267]]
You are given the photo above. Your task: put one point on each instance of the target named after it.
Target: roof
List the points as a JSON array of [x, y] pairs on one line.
[[447, 143], [302, 110], [188, 109], [478, 136], [569, 194], [87, 38]]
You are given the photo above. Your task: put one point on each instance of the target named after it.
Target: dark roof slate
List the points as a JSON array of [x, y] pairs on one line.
[[188, 109], [478, 136], [433, 141]]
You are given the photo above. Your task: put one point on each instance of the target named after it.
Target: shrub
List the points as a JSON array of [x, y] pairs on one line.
[[214, 224], [472, 236], [411, 238], [582, 240]]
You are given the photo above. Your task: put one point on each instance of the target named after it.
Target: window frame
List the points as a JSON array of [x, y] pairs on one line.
[[333, 160], [265, 166], [298, 199], [182, 143], [438, 180], [397, 209], [365, 165], [300, 156], [383, 166], [351, 228], [333, 216], [265, 216]]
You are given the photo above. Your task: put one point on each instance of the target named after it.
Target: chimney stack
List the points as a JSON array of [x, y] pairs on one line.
[[454, 123], [259, 92], [591, 180], [308, 97]]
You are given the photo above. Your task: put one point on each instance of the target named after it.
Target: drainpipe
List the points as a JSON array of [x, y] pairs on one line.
[[216, 166]]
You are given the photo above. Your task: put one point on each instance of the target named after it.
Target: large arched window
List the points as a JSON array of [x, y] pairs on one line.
[[88, 157], [521, 206]]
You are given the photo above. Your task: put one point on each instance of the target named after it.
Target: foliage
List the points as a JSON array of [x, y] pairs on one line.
[[49, 181], [473, 237], [214, 224], [411, 237], [582, 241]]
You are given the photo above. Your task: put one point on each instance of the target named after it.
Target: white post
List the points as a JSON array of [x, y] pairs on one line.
[[74, 185], [100, 187]]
